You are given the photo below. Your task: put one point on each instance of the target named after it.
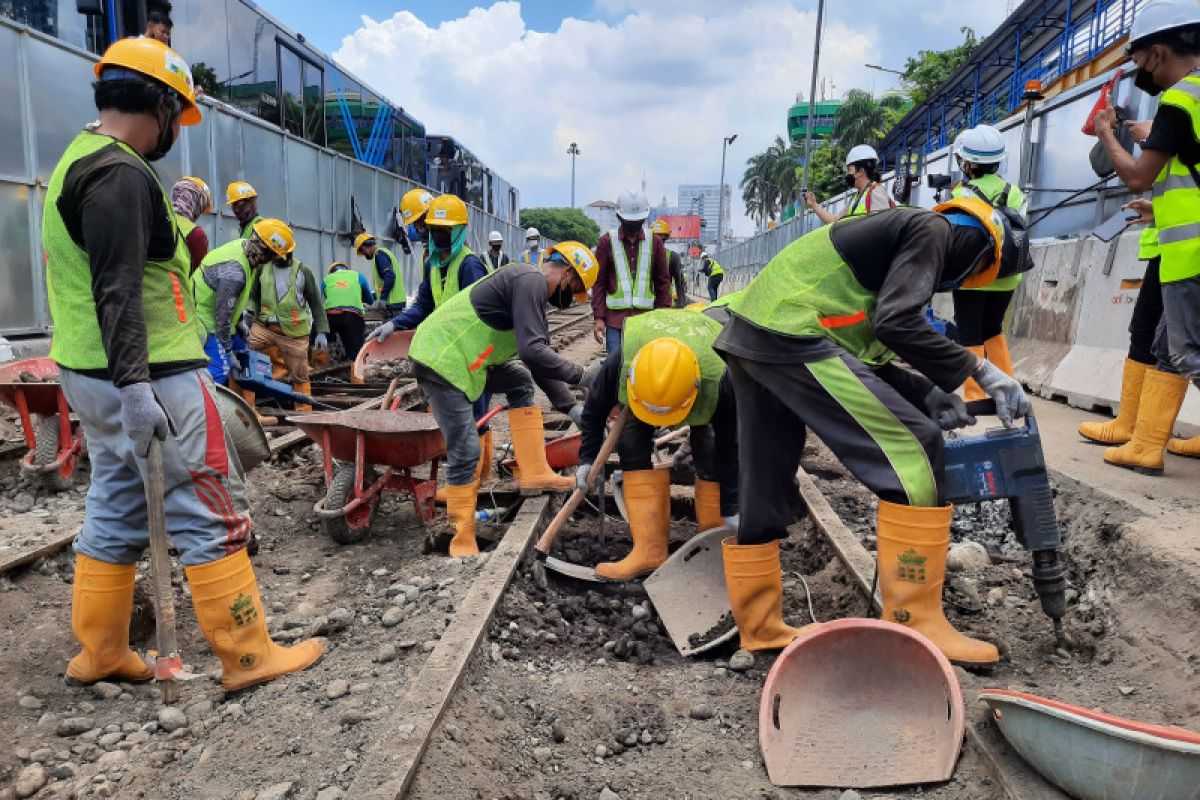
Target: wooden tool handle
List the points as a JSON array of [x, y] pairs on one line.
[[160, 566], [597, 469]]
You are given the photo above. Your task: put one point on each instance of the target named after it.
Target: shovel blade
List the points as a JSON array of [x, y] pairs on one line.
[[576, 571], [688, 592]]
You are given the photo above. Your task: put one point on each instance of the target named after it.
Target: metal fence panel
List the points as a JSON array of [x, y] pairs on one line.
[[17, 264], [303, 185], [60, 91], [13, 159]]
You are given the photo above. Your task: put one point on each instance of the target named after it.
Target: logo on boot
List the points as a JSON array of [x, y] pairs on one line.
[[901, 615], [243, 611], [911, 566], [247, 660]]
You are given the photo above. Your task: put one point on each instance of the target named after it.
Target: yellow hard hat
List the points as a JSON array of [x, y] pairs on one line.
[[699, 305], [446, 210], [277, 235], [663, 382], [584, 261], [156, 60], [988, 217], [204, 188], [238, 190], [414, 204], [360, 240], [334, 266], [661, 227]]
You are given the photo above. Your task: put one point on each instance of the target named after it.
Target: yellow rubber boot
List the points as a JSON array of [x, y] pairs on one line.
[[913, 542], [101, 605], [971, 391], [529, 446], [318, 358], [460, 507], [303, 387], [251, 399], [1162, 395], [996, 350], [1188, 448], [1119, 430], [754, 582], [708, 505], [230, 612], [483, 468], [648, 501]]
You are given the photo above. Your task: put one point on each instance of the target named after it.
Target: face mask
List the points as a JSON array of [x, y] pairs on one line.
[[440, 237], [849, 181], [631, 228], [563, 298], [245, 213], [1144, 80], [533, 246], [495, 248], [166, 137]]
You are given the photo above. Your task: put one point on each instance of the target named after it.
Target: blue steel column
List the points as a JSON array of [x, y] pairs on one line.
[[974, 117], [1014, 91], [1064, 53]]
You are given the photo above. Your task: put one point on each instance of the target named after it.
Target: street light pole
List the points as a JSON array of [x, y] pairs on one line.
[[728, 140], [812, 109], [885, 69], [573, 151]]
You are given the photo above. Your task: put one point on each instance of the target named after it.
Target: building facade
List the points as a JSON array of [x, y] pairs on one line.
[[603, 213], [702, 199]]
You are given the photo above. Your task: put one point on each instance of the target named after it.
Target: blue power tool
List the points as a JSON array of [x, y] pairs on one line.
[[256, 377], [1008, 463]]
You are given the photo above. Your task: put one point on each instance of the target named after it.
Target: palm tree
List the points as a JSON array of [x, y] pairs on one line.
[[770, 181], [862, 119]]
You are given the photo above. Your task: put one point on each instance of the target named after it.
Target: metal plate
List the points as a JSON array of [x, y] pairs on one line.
[[688, 592], [618, 493]]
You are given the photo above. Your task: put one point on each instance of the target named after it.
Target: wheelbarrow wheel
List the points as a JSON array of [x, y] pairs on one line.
[[341, 528], [45, 451]]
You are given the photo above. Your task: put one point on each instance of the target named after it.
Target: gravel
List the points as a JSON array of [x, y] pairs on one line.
[[30, 780], [171, 719], [73, 726]]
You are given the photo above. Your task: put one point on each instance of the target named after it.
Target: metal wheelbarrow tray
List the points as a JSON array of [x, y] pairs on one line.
[[32, 388], [354, 441]]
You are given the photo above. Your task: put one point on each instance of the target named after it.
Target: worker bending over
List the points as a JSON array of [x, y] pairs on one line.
[[287, 306], [469, 346], [189, 199], [389, 283], [1164, 44], [862, 175], [242, 199], [666, 373], [810, 345], [128, 339], [662, 233], [633, 271], [347, 294], [715, 273]]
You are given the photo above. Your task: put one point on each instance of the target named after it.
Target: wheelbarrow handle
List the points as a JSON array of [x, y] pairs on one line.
[[597, 469], [486, 418]]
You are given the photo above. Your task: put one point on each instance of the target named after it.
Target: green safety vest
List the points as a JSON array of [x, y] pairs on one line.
[[1176, 197], [527, 258], [456, 344], [397, 295], [342, 290], [992, 186], [808, 290], [1148, 244], [295, 319], [172, 332], [715, 269], [186, 226], [696, 331], [248, 228], [444, 290], [206, 298], [628, 295], [859, 208]]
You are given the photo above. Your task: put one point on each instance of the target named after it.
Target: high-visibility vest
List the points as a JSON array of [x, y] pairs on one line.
[[248, 228], [527, 257], [343, 290], [996, 192], [1176, 196], [489, 264], [172, 331], [294, 318], [696, 331], [862, 202], [206, 298], [629, 294], [397, 296], [1148, 243], [443, 290], [714, 269]]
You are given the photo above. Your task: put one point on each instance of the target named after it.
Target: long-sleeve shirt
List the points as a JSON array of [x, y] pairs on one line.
[[606, 277], [227, 280], [368, 296], [386, 270], [308, 295], [470, 270], [675, 268], [197, 245]]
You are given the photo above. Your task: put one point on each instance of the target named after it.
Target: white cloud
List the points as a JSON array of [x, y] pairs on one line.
[[652, 93]]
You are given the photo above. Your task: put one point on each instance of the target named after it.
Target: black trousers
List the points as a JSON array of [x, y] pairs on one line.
[[1147, 311], [979, 315], [349, 328], [714, 287]]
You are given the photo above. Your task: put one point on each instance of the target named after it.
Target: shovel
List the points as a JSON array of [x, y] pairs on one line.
[[688, 592], [541, 550]]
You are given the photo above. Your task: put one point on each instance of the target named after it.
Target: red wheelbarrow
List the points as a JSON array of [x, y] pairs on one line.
[[55, 444]]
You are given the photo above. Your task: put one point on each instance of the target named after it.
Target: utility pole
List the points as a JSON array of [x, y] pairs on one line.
[[573, 151], [728, 140], [812, 109]]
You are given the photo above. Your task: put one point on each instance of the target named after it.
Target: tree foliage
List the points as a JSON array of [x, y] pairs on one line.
[[562, 224], [929, 69], [861, 119]]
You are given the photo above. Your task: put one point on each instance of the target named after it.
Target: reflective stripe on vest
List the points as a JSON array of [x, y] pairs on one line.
[[172, 331], [206, 298], [698, 332], [528, 258], [1176, 196], [715, 269], [443, 290], [397, 296], [343, 290], [992, 186], [294, 318], [862, 202], [627, 296]]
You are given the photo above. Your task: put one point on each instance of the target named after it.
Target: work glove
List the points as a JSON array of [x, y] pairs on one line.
[[1011, 400], [142, 417], [591, 372], [947, 410], [581, 476], [383, 331], [732, 522], [576, 414], [321, 342], [380, 305]]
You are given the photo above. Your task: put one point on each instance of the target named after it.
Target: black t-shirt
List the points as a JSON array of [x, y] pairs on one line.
[[1172, 132]]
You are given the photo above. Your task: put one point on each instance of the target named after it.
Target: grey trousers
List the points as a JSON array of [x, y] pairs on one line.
[[1177, 340], [208, 516], [452, 410]]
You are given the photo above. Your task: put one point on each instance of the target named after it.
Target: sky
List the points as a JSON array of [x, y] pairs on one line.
[[647, 89]]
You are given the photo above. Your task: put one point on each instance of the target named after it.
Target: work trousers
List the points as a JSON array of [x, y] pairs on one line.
[[456, 418], [714, 287], [293, 349], [892, 447], [979, 315], [1177, 341], [208, 516], [714, 447], [349, 328], [1147, 313]]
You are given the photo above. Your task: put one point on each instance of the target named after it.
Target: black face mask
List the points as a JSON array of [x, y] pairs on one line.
[[849, 181], [631, 228], [440, 237], [166, 130], [1144, 80], [562, 298]]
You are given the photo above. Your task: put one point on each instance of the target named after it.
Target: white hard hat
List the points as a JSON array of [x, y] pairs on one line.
[[1160, 16], [632, 206], [704, 254], [495, 236], [982, 144], [861, 152], [532, 233]]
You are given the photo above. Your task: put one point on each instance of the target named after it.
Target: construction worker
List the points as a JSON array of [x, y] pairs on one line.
[[862, 175], [242, 199], [495, 257], [532, 254], [979, 313], [1164, 44], [662, 232], [633, 273], [413, 206], [809, 345], [666, 373], [715, 273], [158, 22], [129, 343], [389, 283], [221, 286], [288, 306], [347, 293], [190, 198], [469, 346]]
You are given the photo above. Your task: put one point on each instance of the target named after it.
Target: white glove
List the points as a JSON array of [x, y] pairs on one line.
[[320, 342], [590, 373], [383, 331], [581, 476], [576, 414], [1011, 400], [732, 522]]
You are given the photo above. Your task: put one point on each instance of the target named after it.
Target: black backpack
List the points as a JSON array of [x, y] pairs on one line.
[[1014, 253]]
